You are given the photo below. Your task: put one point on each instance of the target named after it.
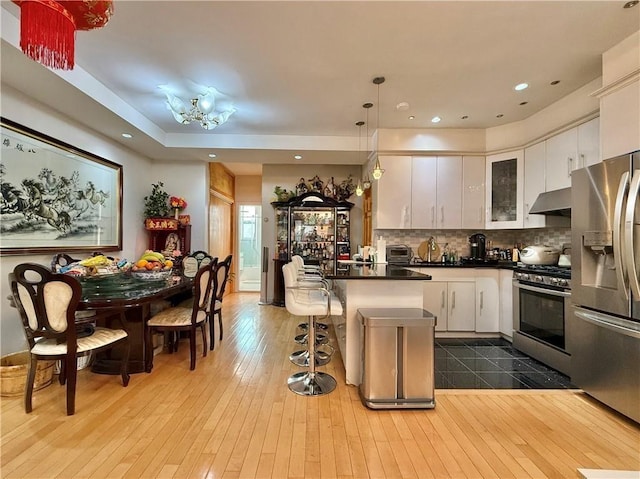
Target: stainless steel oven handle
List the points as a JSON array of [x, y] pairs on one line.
[[536, 289], [598, 321], [632, 202], [618, 247]]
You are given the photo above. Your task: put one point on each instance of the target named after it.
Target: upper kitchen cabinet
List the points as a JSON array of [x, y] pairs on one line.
[[571, 150], [436, 187], [393, 198], [504, 190], [473, 191], [534, 182], [419, 192]]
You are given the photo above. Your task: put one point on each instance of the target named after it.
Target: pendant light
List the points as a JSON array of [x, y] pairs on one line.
[[359, 124], [366, 184], [377, 170]]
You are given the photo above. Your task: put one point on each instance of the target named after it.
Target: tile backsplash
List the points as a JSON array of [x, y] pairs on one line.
[[459, 239]]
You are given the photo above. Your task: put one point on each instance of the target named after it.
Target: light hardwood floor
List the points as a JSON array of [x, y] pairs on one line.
[[234, 417]]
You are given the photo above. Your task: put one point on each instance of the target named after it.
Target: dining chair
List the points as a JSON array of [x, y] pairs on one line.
[[187, 318], [61, 260], [47, 303], [221, 277], [192, 262]]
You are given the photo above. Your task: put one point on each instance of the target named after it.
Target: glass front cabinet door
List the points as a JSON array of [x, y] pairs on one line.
[[505, 190], [314, 227]]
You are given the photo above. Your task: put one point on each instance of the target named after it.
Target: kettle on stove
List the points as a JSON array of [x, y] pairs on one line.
[[477, 246]]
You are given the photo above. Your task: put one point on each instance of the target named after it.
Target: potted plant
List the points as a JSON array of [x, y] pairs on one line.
[[156, 209]]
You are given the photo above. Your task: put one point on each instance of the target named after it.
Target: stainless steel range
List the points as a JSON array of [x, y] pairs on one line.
[[541, 306]]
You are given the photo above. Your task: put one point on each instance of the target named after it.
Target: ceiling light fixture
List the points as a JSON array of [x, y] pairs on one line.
[[127, 135], [377, 169], [202, 109], [436, 119], [412, 117], [367, 182], [521, 86], [554, 82], [297, 157], [212, 155], [359, 189], [631, 4]]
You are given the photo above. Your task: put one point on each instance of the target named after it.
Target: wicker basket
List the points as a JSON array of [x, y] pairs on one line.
[[13, 374]]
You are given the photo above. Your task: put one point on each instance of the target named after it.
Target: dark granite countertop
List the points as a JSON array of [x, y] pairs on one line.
[[494, 265], [377, 271]]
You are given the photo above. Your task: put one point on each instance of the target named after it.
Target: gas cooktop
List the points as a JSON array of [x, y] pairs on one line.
[[548, 275]]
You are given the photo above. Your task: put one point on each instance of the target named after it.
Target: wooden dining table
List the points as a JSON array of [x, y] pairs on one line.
[[123, 301]]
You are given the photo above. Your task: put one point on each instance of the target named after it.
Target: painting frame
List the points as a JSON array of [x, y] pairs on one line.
[[56, 197]]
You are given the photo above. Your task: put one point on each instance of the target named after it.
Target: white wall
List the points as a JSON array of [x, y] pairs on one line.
[[189, 180], [138, 175]]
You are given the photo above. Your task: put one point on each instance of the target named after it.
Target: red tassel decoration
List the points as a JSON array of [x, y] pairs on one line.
[[47, 33]]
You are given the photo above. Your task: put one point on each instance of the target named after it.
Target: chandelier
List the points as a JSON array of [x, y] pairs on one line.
[[202, 109]]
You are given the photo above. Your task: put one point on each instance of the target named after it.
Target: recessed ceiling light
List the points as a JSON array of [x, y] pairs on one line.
[[69, 155], [554, 82], [412, 117], [436, 119], [523, 103], [499, 115], [297, 157], [464, 117], [402, 106], [212, 155], [127, 135], [631, 4], [521, 86]]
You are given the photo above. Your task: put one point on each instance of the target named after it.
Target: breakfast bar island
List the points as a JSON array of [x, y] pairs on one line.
[[366, 285]]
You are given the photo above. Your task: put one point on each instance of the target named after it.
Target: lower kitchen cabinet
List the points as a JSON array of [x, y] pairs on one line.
[[487, 301], [506, 303], [453, 302]]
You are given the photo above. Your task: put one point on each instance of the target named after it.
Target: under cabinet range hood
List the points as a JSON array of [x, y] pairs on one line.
[[553, 203]]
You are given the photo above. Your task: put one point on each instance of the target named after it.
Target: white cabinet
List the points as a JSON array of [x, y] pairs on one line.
[[561, 159], [393, 193], [419, 192], [424, 201], [453, 303], [534, 182], [620, 116], [504, 190], [473, 191], [449, 192], [569, 151], [506, 303], [589, 143], [487, 291]]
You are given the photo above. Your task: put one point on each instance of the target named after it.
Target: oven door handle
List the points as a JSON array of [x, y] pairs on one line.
[[537, 289]]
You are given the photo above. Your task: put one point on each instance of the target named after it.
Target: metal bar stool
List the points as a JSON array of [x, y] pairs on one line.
[[311, 300]]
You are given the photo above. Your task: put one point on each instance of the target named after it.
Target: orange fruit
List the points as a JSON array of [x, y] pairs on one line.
[[141, 263], [150, 265]]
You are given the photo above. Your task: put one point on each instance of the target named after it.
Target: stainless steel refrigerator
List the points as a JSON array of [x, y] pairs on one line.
[[604, 330]]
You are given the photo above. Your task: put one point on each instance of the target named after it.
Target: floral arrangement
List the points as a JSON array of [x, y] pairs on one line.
[[178, 202]]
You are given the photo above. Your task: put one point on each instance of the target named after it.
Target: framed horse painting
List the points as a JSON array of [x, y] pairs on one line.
[[56, 197]]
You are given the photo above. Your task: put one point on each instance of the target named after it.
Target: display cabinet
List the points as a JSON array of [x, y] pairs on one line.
[[315, 227]]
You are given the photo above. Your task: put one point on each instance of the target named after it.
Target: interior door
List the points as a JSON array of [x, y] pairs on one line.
[[221, 228]]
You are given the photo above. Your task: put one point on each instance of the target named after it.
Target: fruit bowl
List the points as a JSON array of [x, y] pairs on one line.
[[152, 275]]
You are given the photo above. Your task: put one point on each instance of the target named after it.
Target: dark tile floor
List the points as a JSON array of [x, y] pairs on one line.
[[491, 364]]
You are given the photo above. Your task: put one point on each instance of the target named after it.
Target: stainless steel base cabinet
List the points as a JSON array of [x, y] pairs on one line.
[[398, 358]]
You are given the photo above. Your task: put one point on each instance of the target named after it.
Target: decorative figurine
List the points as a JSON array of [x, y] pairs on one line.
[[330, 189], [316, 184], [301, 187]]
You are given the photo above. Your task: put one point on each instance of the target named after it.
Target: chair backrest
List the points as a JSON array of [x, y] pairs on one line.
[[221, 277], [203, 288], [61, 260], [298, 261], [46, 302], [192, 262]]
